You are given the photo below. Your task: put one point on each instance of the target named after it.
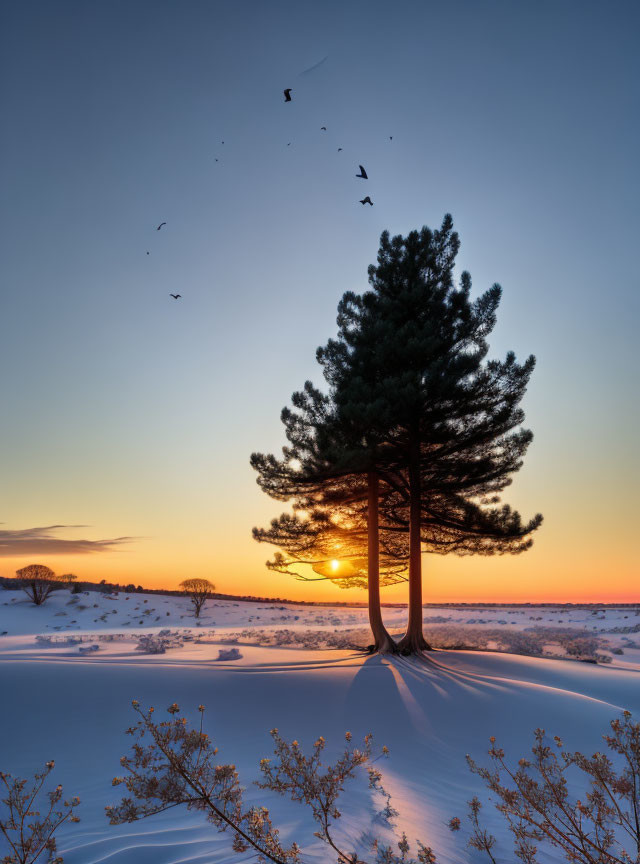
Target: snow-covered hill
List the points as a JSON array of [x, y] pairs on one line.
[[69, 670]]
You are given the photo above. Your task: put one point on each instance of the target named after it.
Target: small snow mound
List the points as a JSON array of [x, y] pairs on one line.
[[229, 654]]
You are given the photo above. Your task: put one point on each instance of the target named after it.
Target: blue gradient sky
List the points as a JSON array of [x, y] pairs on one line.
[[135, 415]]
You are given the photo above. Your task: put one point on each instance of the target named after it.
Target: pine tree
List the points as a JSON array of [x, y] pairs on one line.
[[341, 542], [322, 472], [409, 367], [413, 409]]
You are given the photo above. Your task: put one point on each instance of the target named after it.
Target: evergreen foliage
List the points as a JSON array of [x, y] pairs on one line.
[[409, 363], [414, 401]]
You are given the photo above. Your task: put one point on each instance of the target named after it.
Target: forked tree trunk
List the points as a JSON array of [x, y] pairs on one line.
[[413, 641], [382, 641]]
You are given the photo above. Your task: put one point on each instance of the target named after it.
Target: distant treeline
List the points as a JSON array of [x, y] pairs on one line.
[[104, 587], [111, 587]]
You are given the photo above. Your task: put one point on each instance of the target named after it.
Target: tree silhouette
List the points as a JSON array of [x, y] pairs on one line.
[[324, 474], [199, 590], [38, 581], [416, 423], [409, 366], [336, 542], [68, 577]]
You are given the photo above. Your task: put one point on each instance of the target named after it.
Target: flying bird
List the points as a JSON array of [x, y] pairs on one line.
[[287, 94], [147, 253], [323, 128], [367, 200], [175, 296], [363, 174], [160, 226], [390, 137], [339, 149]]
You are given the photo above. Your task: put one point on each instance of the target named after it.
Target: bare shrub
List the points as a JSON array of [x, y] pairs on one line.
[[302, 778], [157, 643], [576, 643], [29, 832], [199, 590], [315, 639], [600, 826], [177, 765]]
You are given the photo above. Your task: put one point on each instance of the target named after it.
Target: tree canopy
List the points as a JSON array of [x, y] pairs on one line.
[[199, 590], [38, 581], [413, 402]]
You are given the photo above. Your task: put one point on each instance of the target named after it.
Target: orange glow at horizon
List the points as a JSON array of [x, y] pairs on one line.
[[573, 558], [446, 579]]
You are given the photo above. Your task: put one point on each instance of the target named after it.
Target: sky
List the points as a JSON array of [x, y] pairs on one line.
[[128, 418]]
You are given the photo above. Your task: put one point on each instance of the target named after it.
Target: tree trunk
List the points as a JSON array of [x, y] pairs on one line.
[[383, 643], [413, 641]]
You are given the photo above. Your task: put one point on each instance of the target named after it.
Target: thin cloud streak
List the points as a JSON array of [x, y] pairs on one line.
[[42, 541], [314, 67]]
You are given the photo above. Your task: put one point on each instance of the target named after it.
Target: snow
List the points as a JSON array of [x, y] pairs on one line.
[[69, 670]]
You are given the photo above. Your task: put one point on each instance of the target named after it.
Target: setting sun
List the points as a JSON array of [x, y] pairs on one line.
[[335, 564]]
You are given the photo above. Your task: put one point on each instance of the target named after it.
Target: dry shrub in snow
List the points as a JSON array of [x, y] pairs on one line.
[[157, 643], [89, 649], [578, 644], [29, 833], [149, 643], [303, 779], [229, 654], [172, 764], [51, 640], [282, 637], [599, 826]]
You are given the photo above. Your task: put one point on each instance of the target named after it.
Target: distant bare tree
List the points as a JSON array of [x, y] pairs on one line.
[[29, 832], [68, 577], [38, 581], [199, 590]]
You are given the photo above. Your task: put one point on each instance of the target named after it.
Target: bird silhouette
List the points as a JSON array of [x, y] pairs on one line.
[[287, 94], [339, 149], [367, 200], [160, 226], [175, 296], [390, 137], [323, 128], [363, 174], [147, 253]]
